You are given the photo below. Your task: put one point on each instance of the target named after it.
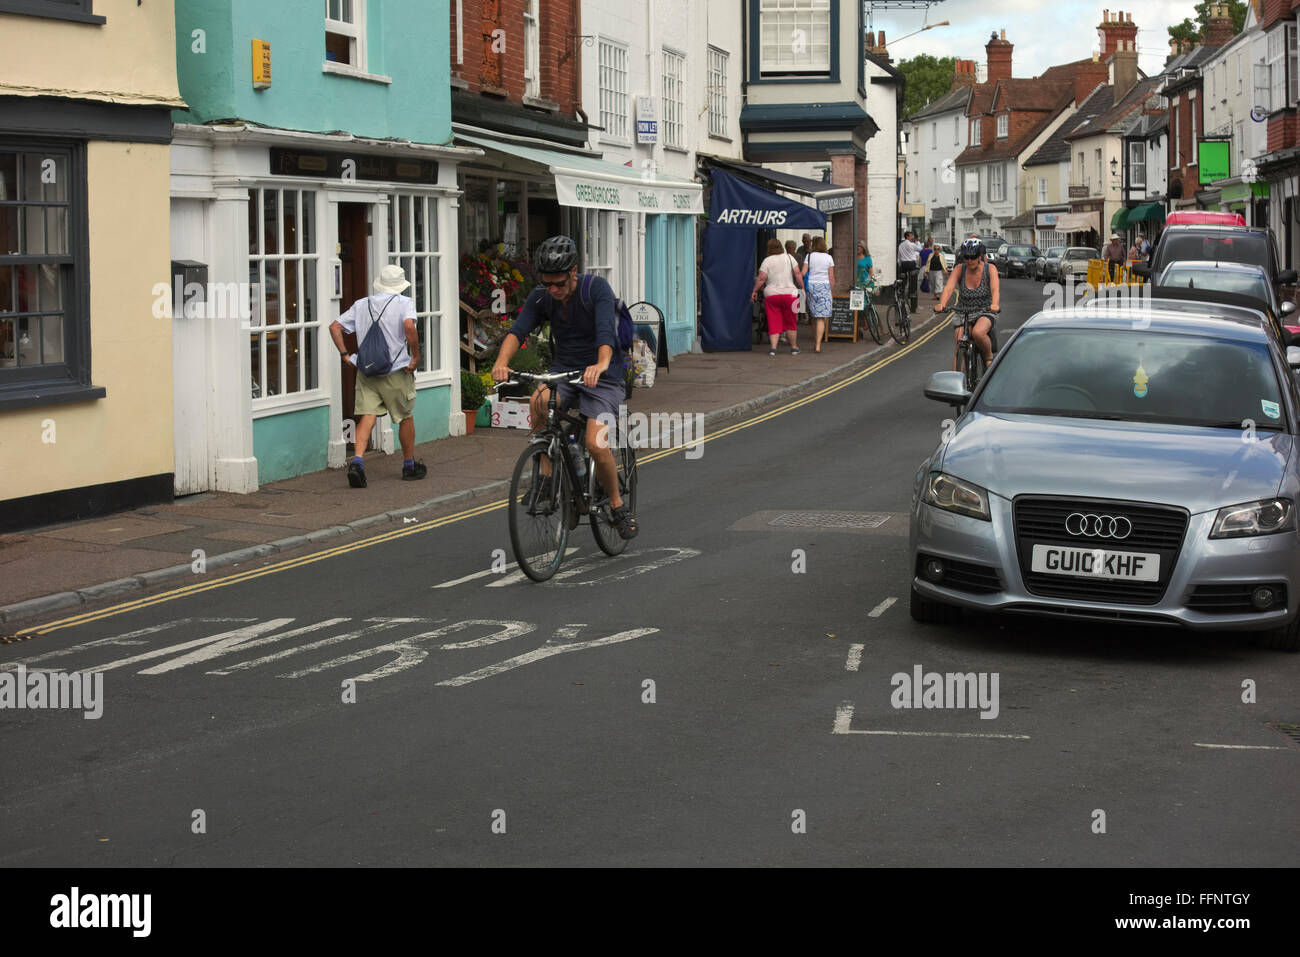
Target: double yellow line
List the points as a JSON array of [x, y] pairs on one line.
[[474, 512]]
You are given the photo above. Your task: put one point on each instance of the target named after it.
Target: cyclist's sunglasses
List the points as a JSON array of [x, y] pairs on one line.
[[557, 284]]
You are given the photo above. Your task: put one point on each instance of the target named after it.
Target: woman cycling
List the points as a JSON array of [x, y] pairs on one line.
[[977, 280]]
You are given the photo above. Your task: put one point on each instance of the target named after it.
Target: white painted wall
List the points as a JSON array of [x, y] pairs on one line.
[[1229, 93], [934, 143]]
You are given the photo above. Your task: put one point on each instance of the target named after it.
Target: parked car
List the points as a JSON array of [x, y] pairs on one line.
[[1186, 300], [1048, 265], [1074, 262], [1240, 278], [1011, 513], [1239, 244], [998, 256], [1018, 259]]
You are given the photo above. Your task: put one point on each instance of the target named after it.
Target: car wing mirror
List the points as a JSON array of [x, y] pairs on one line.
[[1288, 308], [950, 387]]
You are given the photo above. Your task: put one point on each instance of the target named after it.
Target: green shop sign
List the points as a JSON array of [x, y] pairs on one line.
[[1214, 160]]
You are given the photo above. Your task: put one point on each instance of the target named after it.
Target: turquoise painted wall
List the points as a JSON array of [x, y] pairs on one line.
[[432, 408], [670, 276], [407, 40], [291, 444]]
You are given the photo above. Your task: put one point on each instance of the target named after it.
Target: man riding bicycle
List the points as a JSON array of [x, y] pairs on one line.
[[977, 280], [585, 337]]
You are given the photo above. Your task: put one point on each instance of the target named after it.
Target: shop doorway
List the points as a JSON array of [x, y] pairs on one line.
[[353, 251]]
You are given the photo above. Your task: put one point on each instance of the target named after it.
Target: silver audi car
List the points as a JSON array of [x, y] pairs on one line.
[[1135, 464]]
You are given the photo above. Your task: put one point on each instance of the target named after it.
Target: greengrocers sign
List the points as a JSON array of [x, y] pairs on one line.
[[638, 197]]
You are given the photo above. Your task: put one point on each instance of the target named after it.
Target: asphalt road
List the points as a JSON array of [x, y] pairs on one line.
[[702, 699]]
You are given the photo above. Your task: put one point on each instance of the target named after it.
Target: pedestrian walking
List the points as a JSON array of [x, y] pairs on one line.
[[937, 272], [927, 250], [1137, 253], [819, 277], [801, 304], [802, 252], [1113, 255], [392, 318], [780, 279]]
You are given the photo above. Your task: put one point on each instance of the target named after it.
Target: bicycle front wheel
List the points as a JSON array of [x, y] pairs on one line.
[[873, 325], [899, 326], [602, 522], [538, 512]]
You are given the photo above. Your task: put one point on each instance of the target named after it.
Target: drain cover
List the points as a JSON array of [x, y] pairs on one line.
[[859, 520]]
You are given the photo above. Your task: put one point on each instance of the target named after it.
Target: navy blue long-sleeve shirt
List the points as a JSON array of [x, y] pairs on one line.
[[577, 332]]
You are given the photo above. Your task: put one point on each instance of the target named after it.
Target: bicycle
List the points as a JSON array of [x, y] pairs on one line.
[[541, 514], [970, 360], [897, 318], [874, 325]]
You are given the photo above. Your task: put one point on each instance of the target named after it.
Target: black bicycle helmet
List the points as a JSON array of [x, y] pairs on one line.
[[557, 254], [972, 249]]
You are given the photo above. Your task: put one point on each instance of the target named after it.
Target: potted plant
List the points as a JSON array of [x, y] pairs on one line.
[[472, 394]]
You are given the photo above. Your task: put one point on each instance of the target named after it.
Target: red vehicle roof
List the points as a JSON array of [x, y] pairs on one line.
[[1204, 217]]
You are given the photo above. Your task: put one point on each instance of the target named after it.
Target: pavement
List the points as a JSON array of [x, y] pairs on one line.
[[63, 566]]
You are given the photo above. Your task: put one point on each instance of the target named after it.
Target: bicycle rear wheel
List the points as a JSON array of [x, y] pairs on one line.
[[602, 522], [899, 326], [539, 526]]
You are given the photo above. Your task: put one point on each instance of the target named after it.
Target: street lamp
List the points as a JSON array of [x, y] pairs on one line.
[[928, 26]]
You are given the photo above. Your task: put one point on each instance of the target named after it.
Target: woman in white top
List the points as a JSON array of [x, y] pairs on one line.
[[819, 276], [780, 280]]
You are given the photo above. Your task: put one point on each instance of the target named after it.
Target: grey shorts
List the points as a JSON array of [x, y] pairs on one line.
[[604, 399]]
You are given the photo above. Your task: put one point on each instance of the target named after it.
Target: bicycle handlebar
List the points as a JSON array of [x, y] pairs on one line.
[[547, 379]]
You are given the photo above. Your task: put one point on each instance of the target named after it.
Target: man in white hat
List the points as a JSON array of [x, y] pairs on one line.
[[1114, 256], [393, 391]]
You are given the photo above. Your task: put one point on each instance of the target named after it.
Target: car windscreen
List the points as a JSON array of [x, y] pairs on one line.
[[1241, 247], [1137, 376], [1055, 252], [1022, 251], [1222, 280], [1080, 254]]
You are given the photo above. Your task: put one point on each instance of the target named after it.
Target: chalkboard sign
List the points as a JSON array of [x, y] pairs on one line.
[[844, 321]]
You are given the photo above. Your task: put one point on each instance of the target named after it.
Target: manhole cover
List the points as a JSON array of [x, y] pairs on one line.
[[856, 520]]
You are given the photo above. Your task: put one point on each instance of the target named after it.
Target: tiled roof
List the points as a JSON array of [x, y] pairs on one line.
[[945, 104], [1056, 149], [1003, 149], [1113, 119], [1026, 94]]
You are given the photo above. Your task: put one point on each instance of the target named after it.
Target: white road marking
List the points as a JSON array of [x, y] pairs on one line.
[[409, 654], [226, 638], [546, 651], [881, 608], [1244, 747], [128, 638], [854, 659], [375, 625], [236, 641], [844, 718], [516, 575], [675, 555]]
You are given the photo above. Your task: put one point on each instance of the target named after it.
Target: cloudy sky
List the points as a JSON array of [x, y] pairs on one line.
[[1044, 32]]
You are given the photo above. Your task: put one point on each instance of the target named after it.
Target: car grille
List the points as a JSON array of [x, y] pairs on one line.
[[1040, 520], [1233, 599]]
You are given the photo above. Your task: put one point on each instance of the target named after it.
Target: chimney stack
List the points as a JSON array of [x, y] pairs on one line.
[[1113, 30], [1124, 69], [1219, 27], [1088, 76], [963, 74], [998, 56]]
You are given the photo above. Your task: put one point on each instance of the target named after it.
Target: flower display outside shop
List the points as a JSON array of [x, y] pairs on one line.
[[494, 288]]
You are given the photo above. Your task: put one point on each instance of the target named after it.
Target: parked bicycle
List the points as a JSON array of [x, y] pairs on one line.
[[970, 361], [554, 484], [875, 325], [897, 317]]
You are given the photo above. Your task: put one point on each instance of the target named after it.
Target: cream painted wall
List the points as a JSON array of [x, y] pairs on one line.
[[131, 58], [127, 434]]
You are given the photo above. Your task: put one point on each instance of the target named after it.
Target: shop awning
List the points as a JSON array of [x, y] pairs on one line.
[[586, 181], [1120, 219], [1147, 212], [830, 198], [1076, 222]]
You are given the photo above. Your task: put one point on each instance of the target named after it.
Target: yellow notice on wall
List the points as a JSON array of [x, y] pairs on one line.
[[261, 64]]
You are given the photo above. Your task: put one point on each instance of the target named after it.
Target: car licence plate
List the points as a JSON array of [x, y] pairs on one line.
[[1096, 563]]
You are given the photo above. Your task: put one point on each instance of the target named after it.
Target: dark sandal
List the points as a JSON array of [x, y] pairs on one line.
[[624, 522]]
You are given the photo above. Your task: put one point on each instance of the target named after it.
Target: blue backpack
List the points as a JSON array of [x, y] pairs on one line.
[[626, 330]]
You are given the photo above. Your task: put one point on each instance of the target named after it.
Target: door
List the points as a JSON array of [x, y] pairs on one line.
[[354, 240]]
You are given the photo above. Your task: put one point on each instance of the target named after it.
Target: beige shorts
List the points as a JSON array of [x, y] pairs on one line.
[[393, 393]]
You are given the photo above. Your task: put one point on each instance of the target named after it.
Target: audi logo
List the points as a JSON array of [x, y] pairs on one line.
[[1099, 526]]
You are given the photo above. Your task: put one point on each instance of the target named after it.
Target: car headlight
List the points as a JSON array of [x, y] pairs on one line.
[[953, 495], [1266, 517]]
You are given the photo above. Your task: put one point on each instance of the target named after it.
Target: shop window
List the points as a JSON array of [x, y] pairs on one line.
[[795, 37], [413, 244], [283, 313], [597, 242], [44, 325], [345, 33]]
